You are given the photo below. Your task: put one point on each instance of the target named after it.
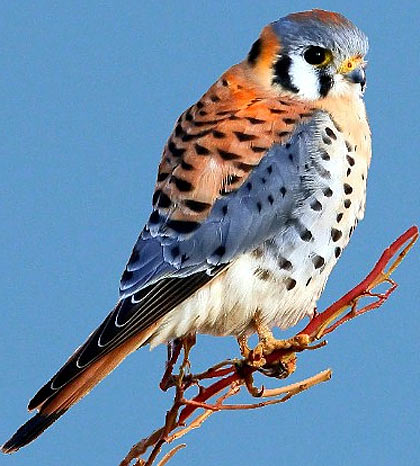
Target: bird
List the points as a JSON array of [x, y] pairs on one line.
[[260, 187]]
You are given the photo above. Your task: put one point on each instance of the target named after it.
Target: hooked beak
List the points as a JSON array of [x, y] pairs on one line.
[[357, 76]]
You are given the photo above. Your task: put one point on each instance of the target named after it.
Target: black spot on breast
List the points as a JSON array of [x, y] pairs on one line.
[[255, 52], [324, 155], [228, 155], [249, 186], [263, 180], [348, 171], [283, 134], [201, 150], [326, 140], [347, 203], [259, 206], [290, 283], [306, 235], [339, 217], [225, 83], [277, 111], [349, 147], [284, 263], [337, 252], [270, 169], [309, 281], [318, 262], [281, 76], [330, 133], [183, 226], [197, 206], [327, 192], [316, 205], [215, 98], [283, 191], [270, 199], [350, 160], [336, 234], [199, 105], [347, 188], [202, 113]]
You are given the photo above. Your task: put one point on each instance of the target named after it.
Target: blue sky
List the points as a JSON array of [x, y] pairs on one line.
[[90, 92]]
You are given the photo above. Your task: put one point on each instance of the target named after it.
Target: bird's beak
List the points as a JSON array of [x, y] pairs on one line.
[[357, 76]]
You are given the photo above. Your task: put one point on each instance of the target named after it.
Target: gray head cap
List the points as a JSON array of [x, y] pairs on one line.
[[321, 28]]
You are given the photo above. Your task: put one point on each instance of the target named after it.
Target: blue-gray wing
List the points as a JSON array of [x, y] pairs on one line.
[[238, 222]]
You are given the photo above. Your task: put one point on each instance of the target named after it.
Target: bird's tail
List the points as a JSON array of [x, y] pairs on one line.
[[54, 405]]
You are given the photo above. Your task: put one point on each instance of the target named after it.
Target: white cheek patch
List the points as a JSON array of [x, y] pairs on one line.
[[304, 77]]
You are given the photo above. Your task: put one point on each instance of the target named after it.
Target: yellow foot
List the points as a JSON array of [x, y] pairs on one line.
[[267, 345]]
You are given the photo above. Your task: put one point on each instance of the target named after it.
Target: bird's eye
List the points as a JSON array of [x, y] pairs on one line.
[[317, 56]]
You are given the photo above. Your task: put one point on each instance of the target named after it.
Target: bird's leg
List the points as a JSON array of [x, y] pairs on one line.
[[187, 343], [267, 344], [243, 346], [168, 379]]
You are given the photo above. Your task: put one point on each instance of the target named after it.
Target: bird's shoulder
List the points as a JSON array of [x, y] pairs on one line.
[[217, 142]]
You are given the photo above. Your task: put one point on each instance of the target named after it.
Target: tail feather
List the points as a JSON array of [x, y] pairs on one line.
[[75, 390], [30, 431]]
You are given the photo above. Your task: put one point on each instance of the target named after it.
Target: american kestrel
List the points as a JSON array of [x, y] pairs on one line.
[[259, 189]]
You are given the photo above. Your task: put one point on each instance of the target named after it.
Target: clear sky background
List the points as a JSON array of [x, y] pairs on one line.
[[89, 93]]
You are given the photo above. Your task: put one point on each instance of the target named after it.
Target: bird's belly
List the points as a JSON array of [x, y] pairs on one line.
[[229, 303]]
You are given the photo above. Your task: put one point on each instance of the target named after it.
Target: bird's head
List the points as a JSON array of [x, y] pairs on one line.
[[310, 55]]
